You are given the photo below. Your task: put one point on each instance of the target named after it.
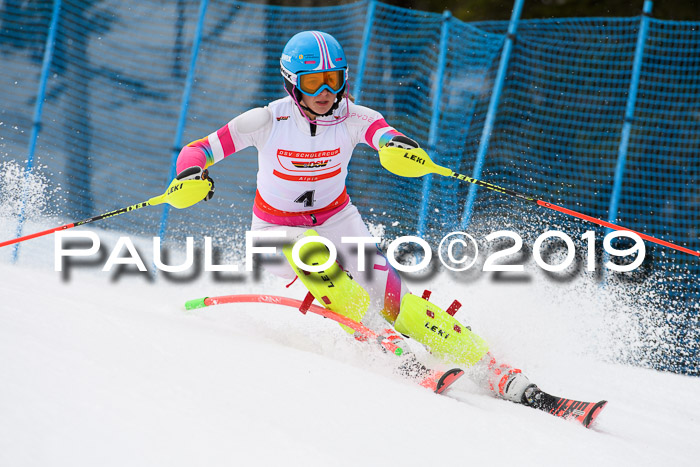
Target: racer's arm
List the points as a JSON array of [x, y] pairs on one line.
[[369, 127], [251, 128]]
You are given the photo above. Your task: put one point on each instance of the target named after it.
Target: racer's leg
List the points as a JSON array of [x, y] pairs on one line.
[[383, 290]]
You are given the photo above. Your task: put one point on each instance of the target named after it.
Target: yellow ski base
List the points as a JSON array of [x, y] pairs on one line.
[[333, 288]]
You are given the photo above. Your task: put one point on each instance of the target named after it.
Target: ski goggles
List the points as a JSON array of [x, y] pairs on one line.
[[314, 82]]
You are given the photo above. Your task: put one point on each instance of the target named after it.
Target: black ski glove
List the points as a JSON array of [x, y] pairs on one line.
[[197, 173], [403, 142]]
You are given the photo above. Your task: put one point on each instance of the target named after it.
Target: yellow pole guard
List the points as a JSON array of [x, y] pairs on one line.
[[410, 162], [183, 193]]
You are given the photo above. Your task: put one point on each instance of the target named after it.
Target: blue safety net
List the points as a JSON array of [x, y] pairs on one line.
[[558, 134], [124, 73]]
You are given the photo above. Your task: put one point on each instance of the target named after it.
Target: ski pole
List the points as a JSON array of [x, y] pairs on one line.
[[416, 163], [180, 194]]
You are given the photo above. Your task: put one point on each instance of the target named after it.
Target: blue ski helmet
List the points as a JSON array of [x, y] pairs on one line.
[[312, 52]]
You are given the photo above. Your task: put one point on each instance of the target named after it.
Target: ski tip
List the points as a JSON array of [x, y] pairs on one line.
[[447, 378], [196, 303], [593, 413]]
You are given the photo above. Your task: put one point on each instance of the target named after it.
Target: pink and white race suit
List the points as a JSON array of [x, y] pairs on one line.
[[302, 170]]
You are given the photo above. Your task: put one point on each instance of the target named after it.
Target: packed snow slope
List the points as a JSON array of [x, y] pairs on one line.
[[102, 372]]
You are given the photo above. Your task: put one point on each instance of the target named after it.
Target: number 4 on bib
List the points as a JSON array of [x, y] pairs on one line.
[[307, 198]]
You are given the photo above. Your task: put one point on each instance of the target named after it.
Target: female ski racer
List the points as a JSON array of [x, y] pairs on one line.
[[304, 144]]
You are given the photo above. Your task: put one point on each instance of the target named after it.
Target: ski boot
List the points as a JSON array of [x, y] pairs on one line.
[[505, 381]]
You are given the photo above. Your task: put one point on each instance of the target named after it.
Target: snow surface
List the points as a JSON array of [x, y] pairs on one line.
[[98, 372]]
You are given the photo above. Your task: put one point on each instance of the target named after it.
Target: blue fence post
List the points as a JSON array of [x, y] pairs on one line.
[[629, 114], [36, 124], [187, 91], [434, 119], [492, 110], [627, 126], [362, 59]]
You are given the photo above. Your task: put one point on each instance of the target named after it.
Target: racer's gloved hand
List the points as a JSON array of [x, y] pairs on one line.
[[197, 173], [403, 142]]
